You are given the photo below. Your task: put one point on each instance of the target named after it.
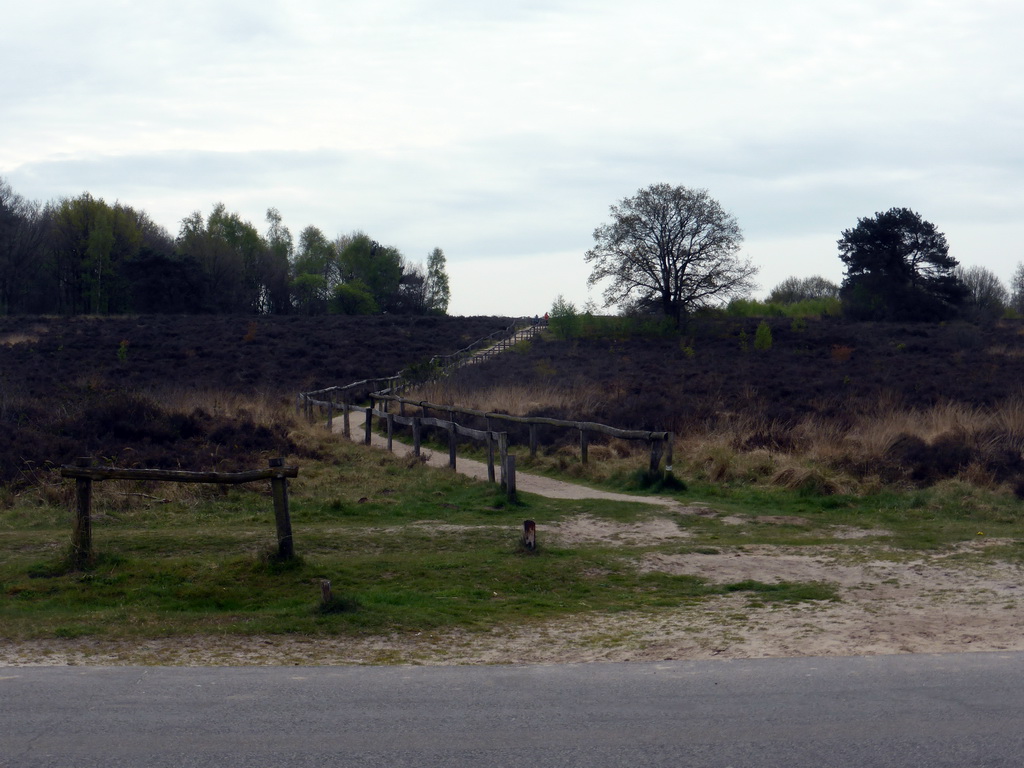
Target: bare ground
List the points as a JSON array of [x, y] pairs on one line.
[[931, 603], [924, 605]]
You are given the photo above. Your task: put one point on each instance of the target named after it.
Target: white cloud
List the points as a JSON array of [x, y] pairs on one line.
[[502, 133]]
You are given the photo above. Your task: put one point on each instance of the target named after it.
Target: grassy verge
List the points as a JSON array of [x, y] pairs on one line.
[[408, 548]]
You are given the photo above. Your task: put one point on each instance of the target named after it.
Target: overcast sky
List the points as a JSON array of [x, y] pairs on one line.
[[502, 132]]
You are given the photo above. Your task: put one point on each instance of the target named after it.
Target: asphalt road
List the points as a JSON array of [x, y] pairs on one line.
[[946, 710]]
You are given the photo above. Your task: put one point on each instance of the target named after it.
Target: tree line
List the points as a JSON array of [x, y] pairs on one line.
[[82, 255], [673, 251]]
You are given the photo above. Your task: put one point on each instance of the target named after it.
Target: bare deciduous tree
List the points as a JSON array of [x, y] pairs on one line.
[[670, 247], [1017, 289], [987, 297]]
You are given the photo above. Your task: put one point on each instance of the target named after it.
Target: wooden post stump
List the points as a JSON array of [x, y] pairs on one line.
[[529, 535]]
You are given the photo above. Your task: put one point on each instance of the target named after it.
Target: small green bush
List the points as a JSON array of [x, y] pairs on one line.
[[808, 308], [564, 320]]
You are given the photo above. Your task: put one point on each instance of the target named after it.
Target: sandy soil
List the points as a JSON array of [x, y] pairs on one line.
[[930, 604], [925, 605]]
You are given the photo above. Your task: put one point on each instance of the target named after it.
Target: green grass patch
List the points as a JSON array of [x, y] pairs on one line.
[[786, 591], [408, 548]]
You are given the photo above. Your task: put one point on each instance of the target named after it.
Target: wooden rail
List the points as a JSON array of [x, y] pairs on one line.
[[661, 442], [335, 400], [479, 350], [85, 473], [494, 441]]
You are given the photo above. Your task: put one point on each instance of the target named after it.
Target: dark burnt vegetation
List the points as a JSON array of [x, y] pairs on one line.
[[150, 391], [898, 402]]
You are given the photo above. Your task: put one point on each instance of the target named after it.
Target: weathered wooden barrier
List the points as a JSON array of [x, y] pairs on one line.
[[481, 352], [383, 391], [495, 442], [86, 473], [358, 391], [660, 442]]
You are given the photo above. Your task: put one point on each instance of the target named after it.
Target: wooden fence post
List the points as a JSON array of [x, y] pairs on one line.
[[417, 432], [490, 456], [583, 446], [391, 430], [510, 480], [656, 448], [452, 443], [503, 457], [533, 440], [81, 540], [279, 486], [369, 425], [345, 424]]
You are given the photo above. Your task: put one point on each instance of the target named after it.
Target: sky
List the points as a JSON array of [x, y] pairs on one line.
[[503, 132]]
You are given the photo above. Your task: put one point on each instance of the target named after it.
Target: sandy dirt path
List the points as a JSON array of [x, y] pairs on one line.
[[542, 486]]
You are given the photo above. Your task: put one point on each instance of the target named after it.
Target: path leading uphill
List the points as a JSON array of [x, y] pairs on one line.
[[527, 483]]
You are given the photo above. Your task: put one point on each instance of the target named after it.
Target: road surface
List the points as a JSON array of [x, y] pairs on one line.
[[945, 710]]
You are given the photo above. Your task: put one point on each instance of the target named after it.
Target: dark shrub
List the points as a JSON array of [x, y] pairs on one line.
[[947, 455]]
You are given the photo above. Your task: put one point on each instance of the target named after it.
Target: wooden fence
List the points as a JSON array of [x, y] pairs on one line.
[[495, 442], [360, 391], [660, 442], [438, 365], [483, 351], [340, 400], [86, 473]]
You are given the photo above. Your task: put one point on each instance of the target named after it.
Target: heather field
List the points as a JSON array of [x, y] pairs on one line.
[[828, 403], [845, 488], [196, 392]]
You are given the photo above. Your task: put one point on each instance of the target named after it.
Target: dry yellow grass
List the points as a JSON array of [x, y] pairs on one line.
[[743, 446], [809, 451], [511, 398], [261, 408]]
